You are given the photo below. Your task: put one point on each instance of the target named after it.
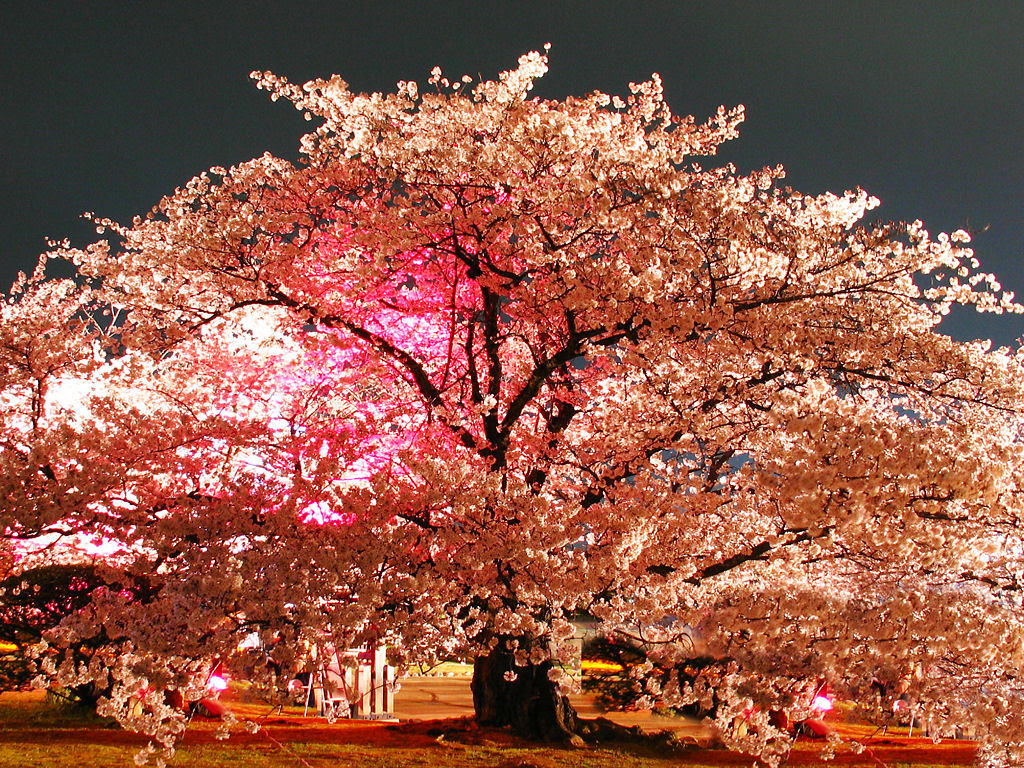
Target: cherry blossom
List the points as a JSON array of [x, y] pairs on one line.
[[481, 364]]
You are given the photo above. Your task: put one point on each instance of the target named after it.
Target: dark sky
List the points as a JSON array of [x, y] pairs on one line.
[[107, 107]]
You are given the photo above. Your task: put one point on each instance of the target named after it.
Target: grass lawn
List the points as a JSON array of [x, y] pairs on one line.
[[35, 735]]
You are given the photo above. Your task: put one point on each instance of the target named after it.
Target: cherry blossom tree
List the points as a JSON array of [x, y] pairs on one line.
[[483, 363]]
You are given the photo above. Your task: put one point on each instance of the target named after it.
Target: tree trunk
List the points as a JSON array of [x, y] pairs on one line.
[[530, 704]]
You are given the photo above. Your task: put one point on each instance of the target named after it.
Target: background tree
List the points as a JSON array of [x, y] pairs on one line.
[[34, 601], [481, 362], [130, 484]]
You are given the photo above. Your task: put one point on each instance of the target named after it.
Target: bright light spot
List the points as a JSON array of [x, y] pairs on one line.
[[822, 703], [320, 513], [250, 641], [69, 394], [594, 665], [217, 683], [98, 547], [263, 324]]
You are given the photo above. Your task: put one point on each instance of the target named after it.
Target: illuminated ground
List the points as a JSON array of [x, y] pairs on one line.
[[435, 731]]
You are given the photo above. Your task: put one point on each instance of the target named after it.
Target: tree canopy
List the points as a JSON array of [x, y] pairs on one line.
[[481, 364]]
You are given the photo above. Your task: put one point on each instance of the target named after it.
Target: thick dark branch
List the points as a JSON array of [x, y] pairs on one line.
[[554, 246], [430, 394], [854, 290], [557, 421], [757, 552], [537, 379], [563, 414], [492, 348], [718, 460], [596, 493], [715, 569], [421, 519], [766, 376], [912, 386], [544, 368], [474, 376]]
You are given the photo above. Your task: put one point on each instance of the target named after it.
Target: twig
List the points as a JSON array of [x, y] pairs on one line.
[[283, 748]]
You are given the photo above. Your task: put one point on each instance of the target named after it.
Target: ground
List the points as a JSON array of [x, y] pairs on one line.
[[434, 730]]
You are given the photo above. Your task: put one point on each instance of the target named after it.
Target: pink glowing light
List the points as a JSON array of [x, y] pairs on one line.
[[98, 546], [822, 703], [320, 513], [217, 683]]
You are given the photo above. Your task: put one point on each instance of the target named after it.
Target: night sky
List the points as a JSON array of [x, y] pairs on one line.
[[108, 107]]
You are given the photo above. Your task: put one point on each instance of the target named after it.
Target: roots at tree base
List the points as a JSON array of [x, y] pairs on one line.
[[531, 704]]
